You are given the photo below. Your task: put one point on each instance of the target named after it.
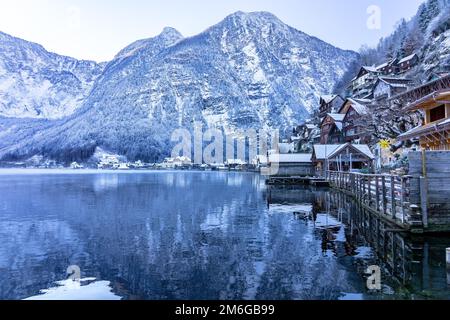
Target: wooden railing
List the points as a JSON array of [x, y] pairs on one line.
[[388, 195]]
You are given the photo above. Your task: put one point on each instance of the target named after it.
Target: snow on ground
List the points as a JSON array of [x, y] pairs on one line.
[[326, 221], [364, 253], [286, 208], [75, 290]]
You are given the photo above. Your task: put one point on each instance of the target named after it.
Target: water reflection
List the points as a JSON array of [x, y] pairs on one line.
[[187, 235], [413, 266]]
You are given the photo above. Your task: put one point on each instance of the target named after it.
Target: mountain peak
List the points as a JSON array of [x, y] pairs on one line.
[[255, 16], [171, 31]]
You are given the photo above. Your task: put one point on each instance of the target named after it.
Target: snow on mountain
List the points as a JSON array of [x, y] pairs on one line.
[[35, 83], [249, 71]]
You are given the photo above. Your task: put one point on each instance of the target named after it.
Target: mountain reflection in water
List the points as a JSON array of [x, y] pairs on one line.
[[202, 235]]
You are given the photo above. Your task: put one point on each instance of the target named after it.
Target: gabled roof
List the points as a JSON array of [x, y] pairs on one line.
[[408, 58], [387, 64], [367, 69], [337, 119], [359, 105], [395, 82], [323, 152]]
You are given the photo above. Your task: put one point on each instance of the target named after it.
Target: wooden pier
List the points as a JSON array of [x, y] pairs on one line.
[[385, 195], [296, 181]]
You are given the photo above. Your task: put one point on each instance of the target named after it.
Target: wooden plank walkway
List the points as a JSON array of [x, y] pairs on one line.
[[385, 195]]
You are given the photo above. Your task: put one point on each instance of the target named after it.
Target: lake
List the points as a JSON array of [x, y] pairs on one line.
[[200, 235]]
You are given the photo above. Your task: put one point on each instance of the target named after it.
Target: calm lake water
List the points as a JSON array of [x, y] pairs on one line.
[[201, 235]]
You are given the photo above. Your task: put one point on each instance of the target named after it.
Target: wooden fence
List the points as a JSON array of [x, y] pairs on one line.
[[387, 195]]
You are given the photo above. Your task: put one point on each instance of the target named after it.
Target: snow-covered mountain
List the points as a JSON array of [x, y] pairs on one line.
[[249, 71], [35, 83]]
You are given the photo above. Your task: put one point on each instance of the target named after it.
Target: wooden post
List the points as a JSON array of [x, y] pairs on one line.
[[393, 208], [384, 195], [448, 258], [424, 200], [424, 163], [402, 198], [377, 192], [369, 182]]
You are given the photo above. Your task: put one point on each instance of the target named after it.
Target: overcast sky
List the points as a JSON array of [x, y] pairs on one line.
[[98, 29]]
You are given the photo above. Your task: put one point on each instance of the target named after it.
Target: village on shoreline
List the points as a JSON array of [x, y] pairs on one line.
[[383, 115]]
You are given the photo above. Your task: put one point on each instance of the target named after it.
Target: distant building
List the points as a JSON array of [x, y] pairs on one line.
[[408, 63], [435, 133], [387, 87], [331, 129], [342, 157], [388, 68], [362, 85], [329, 104]]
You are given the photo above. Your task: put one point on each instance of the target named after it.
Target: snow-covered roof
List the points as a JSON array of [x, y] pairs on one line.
[[291, 158], [406, 59], [381, 66], [285, 147], [337, 117], [359, 105], [328, 98], [235, 162], [370, 69], [323, 152], [395, 82], [422, 130], [363, 148]]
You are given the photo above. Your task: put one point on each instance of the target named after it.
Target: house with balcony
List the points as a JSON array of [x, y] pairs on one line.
[[388, 68], [354, 128], [362, 85], [331, 129], [388, 87], [434, 134], [342, 157]]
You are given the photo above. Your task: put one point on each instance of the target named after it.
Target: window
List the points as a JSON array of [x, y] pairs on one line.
[[437, 113]]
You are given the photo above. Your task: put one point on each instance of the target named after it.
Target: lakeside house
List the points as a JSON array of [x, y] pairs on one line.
[[342, 157], [434, 134], [178, 162], [293, 164]]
